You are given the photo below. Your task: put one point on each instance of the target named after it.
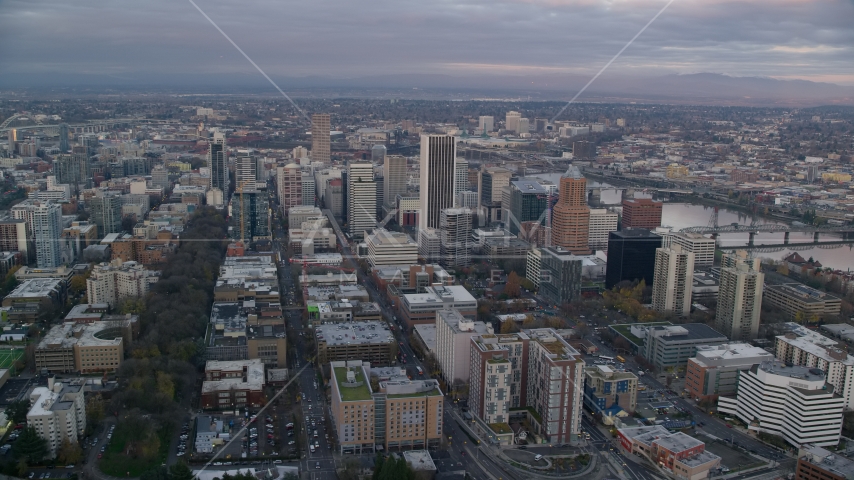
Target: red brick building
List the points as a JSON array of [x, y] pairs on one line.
[[233, 384], [641, 213]]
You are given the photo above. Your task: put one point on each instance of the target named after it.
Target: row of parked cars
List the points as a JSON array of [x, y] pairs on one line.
[[182, 440], [104, 446]]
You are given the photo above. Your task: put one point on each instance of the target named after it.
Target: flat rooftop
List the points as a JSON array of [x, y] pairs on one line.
[[253, 379], [355, 391], [802, 292], [405, 388], [809, 374], [427, 333], [731, 354], [354, 333], [688, 332], [827, 460], [36, 288]]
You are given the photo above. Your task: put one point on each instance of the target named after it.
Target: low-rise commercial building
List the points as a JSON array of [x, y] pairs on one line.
[[793, 402], [233, 384], [90, 347], [803, 303], [682, 455], [391, 248], [714, 371], [816, 463], [672, 345], [371, 341], [418, 308]]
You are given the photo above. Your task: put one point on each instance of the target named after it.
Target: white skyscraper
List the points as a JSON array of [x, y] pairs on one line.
[[44, 222], [486, 123], [602, 222], [361, 199], [455, 237], [739, 297], [511, 121], [672, 280], [438, 177], [245, 171]]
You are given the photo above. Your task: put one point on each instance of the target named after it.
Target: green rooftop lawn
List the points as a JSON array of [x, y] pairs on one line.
[[500, 428], [352, 394]]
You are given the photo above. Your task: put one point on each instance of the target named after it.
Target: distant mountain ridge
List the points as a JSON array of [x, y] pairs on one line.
[[698, 88]]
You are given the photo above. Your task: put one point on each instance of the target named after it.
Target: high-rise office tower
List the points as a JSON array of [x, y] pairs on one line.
[[528, 203], [455, 237], [91, 143], [571, 215], [461, 176], [218, 163], [333, 197], [486, 123], [641, 213], [492, 180], [361, 199], [511, 121], [160, 177], [13, 137], [602, 222], [63, 137], [739, 297], [631, 256], [308, 189], [672, 280], [245, 171], [289, 183], [438, 177], [583, 150], [394, 179], [379, 183], [261, 175], [378, 154], [106, 213], [320, 138]]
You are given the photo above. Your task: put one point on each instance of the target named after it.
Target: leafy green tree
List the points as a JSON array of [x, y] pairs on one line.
[[180, 471], [30, 446], [17, 411], [70, 452], [157, 473]]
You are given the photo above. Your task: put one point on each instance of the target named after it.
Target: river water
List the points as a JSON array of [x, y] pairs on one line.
[[683, 215]]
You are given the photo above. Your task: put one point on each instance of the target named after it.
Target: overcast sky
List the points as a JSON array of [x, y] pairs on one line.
[[805, 39]]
